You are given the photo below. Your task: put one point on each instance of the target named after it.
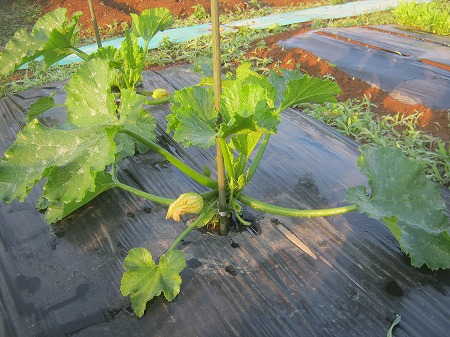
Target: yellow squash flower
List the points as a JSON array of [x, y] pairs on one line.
[[187, 203]]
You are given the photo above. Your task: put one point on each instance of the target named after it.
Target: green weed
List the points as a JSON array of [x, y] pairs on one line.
[[355, 119], [234, 46], [433, 17], [368, 19], [200, 12], [18, 14], [33, 77]]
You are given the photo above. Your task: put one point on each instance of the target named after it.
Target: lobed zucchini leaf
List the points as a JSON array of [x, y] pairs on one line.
[[72, 155], [89, 99], [133, 57], [244, 108], [409, 204], [39, 107], [108, 53], [136, 119], [151, 21], [50, 37], [144, 279], [308, 89], [280, 82], [250, 104], [194, 117], [61, 41], [58, 210], [247, 104], [69, 158]]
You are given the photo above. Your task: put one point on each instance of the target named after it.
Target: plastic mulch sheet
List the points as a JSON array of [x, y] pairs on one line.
[[182, 34], [412, 67], [337, 276]]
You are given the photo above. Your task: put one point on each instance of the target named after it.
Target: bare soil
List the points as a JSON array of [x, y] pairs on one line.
[[433, 121], [107, 11]]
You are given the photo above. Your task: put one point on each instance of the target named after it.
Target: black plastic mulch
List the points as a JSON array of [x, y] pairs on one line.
[[413, 67], [337, 276]]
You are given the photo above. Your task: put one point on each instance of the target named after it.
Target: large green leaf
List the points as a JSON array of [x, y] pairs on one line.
[[40, 106], [108, 53], [49, 34], [247, 104], [61, 40], [308, 89], [408, 202], [246, 99], [69, 158], [280, 82], [134, 118], [133, 60], [89, 99], [194, 117], [58, 210], [151, 21], [144, 279], [245, 75], [62, 37]]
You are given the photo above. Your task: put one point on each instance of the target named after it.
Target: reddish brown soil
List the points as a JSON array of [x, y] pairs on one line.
[[432, 120], [108, 11]]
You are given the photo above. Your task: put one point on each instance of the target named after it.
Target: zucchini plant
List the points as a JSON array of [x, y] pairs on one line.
[[106, 122]]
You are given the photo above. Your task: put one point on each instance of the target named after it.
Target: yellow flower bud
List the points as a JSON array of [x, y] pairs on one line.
[[187, 203], [160, 93]]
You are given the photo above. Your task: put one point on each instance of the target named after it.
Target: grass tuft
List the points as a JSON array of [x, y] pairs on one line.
[[433, 17], [16, 15], [355, 119]]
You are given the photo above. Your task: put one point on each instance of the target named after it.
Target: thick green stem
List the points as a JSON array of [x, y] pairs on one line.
[[217, 92], [204, 215], [146, 47], [182, 235], [158, 101], [222, 190], [291, 212], [81, 54], [208, 195], [145, 195], [125, 78], [198, 177], [255, 163], [227, 158]]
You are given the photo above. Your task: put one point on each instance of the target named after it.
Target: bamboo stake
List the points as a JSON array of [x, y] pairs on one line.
[[94, 20], [217, 91]]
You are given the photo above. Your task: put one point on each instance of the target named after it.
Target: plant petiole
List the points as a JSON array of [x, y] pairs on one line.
[[255, 163], [145, 195], [292, 212], [190, 172], [80, 53], [241, 220], [227, 158], [202, 219], [158, 101]]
